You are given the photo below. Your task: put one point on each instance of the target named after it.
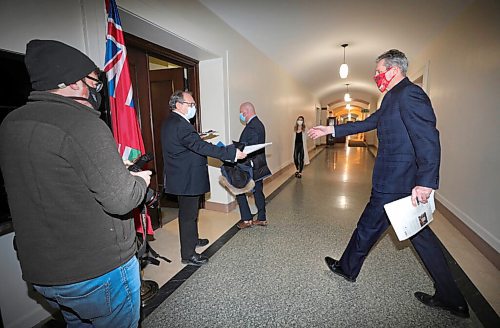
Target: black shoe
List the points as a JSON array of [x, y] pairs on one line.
[[459, 311], [196, 259], [334, 266], [202, 242]]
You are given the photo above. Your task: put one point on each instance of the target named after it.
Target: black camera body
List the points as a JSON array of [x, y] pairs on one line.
[[140, 162], [151, 198]]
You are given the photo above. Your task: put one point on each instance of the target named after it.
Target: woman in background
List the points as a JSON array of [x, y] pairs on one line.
[[300, 154]]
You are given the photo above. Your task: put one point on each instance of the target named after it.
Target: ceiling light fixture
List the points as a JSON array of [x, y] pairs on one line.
[[347, 96], [348, 106], [344, 69]]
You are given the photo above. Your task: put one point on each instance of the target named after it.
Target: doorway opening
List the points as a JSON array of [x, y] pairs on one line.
[[156, 73]]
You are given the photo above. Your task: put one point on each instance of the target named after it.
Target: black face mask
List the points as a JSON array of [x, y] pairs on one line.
[[94, 97]]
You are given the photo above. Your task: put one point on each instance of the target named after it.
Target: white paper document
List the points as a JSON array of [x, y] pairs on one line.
[[252, 148], [406, 219]]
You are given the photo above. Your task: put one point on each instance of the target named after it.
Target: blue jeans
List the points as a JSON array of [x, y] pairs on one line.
[[110, 300]]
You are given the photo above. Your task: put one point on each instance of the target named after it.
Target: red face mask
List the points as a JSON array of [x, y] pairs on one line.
[[381, 81]]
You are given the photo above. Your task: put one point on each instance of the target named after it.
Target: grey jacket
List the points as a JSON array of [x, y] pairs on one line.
[[68, 191]]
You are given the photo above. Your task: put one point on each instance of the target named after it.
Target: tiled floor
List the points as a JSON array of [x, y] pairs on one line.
[[213, 224]]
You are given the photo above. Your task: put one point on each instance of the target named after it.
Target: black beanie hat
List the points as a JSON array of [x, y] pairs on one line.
[[53, 64]]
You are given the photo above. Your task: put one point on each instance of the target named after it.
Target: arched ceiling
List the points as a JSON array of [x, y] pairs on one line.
[[304, 37]]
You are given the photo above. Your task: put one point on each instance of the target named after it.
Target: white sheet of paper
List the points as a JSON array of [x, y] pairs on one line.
[[252, 148], [406, 219]]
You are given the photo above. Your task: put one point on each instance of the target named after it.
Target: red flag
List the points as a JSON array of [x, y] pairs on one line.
[[124, 121]]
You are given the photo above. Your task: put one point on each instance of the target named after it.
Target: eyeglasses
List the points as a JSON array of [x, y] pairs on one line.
[[98, 86], [190, 104]]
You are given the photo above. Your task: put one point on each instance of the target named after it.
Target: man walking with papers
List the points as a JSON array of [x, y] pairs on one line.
[[254, 133], [407, 163]]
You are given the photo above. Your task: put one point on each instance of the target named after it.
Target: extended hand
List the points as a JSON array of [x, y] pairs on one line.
[[240, 154], [146, 175], [421, 194], [319, 131]]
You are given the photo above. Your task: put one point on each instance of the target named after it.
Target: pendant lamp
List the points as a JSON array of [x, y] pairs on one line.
[[344, 69], [347, 96]]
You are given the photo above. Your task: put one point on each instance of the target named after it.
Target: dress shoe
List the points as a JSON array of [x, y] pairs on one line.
[[335, 267], [202, 242], [244, 224], [196, 259], [262, 223], [459, 311], [299, 175]]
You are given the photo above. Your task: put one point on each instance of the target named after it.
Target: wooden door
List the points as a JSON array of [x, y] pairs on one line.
[[163, 83]]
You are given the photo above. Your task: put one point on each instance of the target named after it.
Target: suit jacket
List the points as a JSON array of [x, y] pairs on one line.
[[409, 150], [185, 157], [254, 133]]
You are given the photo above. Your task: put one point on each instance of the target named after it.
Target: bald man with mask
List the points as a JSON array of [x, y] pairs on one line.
[[254, 133]]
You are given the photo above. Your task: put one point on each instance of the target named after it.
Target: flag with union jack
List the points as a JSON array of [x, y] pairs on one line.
[[123, 116]]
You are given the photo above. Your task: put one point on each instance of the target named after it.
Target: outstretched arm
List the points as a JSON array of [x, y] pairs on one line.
[[345, 129]]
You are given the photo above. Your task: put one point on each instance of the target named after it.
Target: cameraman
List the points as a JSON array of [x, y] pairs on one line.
[[68, 192]]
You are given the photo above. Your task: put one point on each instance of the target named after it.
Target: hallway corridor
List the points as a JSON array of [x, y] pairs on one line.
[[275, 276]]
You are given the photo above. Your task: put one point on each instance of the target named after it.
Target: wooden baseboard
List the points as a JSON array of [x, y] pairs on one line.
[[489, 252], [219, 207]]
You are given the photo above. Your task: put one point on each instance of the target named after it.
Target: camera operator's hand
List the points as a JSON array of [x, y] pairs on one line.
[[127, 163], [146, 175], [240, 154]]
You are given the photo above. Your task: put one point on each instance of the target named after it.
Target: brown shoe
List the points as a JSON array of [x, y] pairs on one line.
[[260, 223], [244, 224]]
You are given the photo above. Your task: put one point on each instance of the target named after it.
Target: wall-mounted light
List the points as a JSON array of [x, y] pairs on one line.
[[344, 69], [347, 96], [348, 106]]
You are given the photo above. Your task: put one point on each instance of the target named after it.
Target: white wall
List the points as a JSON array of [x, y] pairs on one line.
[[247, 74], [73, 22], [464, 85]]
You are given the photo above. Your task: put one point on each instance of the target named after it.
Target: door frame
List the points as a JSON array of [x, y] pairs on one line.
[[191, 82], [192, 65]]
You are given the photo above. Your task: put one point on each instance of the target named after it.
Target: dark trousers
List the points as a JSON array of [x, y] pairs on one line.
[[298, 157], [260, 201], [188, 224], [374, 222]]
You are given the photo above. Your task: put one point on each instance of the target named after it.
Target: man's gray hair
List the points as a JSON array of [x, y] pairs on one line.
[[177, 96], [396, 58]]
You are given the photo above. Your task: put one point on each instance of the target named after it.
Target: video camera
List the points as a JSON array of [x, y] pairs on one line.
[[151, 198]]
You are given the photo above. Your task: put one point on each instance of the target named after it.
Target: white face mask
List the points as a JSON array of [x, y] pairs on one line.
[[191, 112], [300, 122]]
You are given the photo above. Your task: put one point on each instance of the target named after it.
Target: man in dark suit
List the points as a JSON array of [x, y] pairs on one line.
[[254, 133], [186, 170], [407, 163]]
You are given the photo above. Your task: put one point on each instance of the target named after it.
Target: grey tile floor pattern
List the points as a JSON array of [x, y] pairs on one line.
[[275, 276]]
